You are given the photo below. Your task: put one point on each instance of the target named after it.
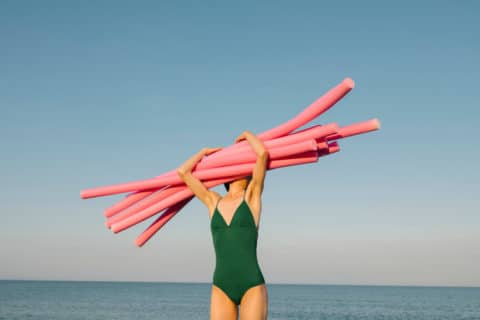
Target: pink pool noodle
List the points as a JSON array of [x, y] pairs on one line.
[[241, 169], [142, 204], [315, 109], [129, 200], [167, 215], [356, 128], [159, 222], [126, 202]]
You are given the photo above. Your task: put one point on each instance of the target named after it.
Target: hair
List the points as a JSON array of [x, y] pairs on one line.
[[227, 184]]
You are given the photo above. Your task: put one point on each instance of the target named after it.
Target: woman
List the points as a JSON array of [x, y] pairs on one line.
[[234, 222]]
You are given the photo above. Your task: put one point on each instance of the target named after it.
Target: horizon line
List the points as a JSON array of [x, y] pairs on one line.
[[267, 283]]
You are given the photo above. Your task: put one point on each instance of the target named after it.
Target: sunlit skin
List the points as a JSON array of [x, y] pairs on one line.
[[254, 304]]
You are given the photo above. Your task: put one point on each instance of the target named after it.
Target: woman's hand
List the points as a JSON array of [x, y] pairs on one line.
[[207, 151], [242, 136], [254, 142], [255, 186], [188, 165], [196, 185]]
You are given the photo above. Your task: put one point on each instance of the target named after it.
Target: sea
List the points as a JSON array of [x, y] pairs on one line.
[[72, 300]]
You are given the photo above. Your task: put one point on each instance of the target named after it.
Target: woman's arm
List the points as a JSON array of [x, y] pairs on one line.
[[259, 170], [198, 188]]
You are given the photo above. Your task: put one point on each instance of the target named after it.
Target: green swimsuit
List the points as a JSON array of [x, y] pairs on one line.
[[236, 268]]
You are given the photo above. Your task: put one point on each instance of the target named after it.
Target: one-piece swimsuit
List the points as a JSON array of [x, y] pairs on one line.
[[236, 267]]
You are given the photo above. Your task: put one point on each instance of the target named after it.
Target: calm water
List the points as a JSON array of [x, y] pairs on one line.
[[125, 300]]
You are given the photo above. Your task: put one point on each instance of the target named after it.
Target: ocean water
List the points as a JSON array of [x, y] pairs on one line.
[[137, 300]]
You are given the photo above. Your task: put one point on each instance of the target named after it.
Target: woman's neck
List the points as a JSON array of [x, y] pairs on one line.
[[235, 193]]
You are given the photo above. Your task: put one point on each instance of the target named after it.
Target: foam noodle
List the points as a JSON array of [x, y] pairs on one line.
[[356, 128], [159, 222], [144, 203], [129, 200], [315, 109]]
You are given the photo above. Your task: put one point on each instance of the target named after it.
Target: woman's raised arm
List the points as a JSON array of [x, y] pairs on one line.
[[260, 168], [198, 188]]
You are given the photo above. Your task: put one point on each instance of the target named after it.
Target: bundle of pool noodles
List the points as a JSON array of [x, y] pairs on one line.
[[285, 146]]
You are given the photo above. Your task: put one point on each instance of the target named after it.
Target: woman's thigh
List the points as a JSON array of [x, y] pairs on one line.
[[254, 304], [221, 307]]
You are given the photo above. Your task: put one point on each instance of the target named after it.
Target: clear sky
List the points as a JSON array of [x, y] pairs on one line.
[[100, 93]]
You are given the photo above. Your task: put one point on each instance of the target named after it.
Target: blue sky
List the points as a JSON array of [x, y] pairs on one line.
[[97, 94]]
